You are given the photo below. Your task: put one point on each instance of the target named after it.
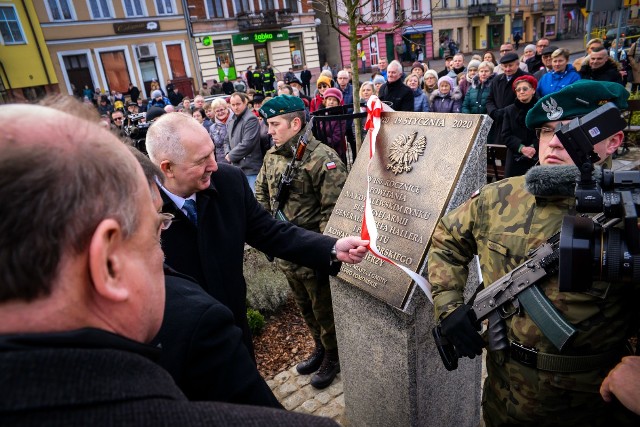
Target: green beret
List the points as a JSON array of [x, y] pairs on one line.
[[281, 104], [576, 100]]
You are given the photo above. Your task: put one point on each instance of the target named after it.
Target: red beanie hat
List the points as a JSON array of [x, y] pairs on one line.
[[529, 79]]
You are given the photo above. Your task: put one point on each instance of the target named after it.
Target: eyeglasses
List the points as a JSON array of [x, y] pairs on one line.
[[523, 89], [505, 50], [545, 133], [222, 110], [165, 220], [543, 45], [117, 119], [323, 85]]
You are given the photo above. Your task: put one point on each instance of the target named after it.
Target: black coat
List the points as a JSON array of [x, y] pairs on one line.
[[69, 379], [175, 98], [305, 77], [516, 133], [501, 95], [607, 73], [228, 217], [203, 350], [398, 95]]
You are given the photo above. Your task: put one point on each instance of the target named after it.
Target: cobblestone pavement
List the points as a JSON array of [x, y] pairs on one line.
[[296, 394]]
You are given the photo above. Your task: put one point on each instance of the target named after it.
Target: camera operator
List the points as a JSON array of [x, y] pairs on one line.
[[501, 224]]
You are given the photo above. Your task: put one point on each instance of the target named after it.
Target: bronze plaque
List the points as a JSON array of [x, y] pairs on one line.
[[418, 159]]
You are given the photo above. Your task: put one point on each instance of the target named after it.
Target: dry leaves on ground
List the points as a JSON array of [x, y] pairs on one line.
[[284, 342]]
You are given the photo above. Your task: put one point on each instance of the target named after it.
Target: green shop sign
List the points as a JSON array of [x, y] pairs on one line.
[[262, 37]]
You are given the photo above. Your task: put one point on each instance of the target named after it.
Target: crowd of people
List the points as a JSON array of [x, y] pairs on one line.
[[139, 294]]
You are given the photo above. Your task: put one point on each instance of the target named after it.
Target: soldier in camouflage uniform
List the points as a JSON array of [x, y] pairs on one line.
[[501, 225], [313, 194]]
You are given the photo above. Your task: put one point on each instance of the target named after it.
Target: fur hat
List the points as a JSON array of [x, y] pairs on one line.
[[332, 91], [323, 79]]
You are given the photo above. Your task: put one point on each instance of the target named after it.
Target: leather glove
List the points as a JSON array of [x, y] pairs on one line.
[[461, 328]]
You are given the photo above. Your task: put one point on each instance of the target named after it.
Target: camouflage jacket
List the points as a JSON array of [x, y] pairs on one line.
[[315, 187], [501, 225]]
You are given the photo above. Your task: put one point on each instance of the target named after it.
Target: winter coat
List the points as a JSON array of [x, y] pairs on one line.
[[420, 101], [475, 101], [634, 60], [399, 95], [609, 72], [243, 142], [316, 103], [449, 103], [218, 132], [554, 81], [514, 134]]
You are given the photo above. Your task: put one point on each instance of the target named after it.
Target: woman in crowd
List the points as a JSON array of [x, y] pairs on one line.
[[447, 99], [430, 82], [377, 82], [201, 116], [333, 132], [529, 52], [322, 84], [472, 71], [420, 101], [476, 99], [490, 57], [563, 74], [521, 142], [218, 129], [366, 90]]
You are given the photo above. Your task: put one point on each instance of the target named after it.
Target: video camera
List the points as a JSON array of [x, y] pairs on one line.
[[135, 129], [612, 252]]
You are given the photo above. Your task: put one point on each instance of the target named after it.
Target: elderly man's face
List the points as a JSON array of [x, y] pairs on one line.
[[343, 79], [510, 68], [541, 45], [393, 74], [598, 59], [199, 102], [505, 48], [193, 172], [546, 60]]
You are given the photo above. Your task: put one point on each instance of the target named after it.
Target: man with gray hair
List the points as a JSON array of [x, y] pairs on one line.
[[394, 92], [83, 285], [216, 214]]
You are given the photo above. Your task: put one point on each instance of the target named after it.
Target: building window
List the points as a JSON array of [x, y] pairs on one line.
[[445, 4], [458, 3], [267, 5], [291, 5], [60, 10], [133, 8], [99, 9], [375, 6], [296, 51], [415, 5], [165, 7], [115, 69], [242, 6], [215, 9], [10, 27]]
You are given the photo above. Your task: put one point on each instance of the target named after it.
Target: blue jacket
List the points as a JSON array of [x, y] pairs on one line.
[[420, 101], [553, 81]]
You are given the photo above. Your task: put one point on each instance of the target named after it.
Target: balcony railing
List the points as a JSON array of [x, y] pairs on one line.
[[264, 20], [548, 5], [483, 9]]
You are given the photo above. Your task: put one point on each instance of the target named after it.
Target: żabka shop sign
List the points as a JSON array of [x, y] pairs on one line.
[[262, 37]]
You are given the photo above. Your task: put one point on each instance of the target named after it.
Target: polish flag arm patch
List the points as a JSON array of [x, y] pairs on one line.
[[331, 165]]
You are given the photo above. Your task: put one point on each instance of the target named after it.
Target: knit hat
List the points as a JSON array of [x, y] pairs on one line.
[[474, 63], [446, 79], [378, 79], [323, 79], [526, 78], [156, 94], [530, 48], [332, 91], [575, 100], [417, 65], [281, 104], [432, 73]]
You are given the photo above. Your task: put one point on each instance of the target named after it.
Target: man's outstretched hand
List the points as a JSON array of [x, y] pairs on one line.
[[351, 249]]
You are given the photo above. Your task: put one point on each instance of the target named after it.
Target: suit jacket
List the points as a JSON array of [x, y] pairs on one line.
[[501, 95], [65, 379], [228, 217], [203, 350]]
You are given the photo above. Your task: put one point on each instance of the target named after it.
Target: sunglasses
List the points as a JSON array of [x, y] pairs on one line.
[[323, 85]]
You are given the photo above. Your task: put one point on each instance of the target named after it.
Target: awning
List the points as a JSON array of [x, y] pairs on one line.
[[420, 28]]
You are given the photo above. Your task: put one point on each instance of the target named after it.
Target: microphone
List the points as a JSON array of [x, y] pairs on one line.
[[557, 181]]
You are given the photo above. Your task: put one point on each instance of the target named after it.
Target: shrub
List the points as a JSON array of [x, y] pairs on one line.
[[256, 321], [267, 287]]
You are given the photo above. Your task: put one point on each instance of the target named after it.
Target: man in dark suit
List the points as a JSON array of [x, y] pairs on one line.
[[216, 213], [82, 285], [501, 94]]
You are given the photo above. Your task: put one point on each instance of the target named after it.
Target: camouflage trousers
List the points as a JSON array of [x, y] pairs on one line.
[[312, 294], [516, 395]]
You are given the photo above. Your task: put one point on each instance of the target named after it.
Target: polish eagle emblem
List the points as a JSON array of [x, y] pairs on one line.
[[404, 150], [553, 110]]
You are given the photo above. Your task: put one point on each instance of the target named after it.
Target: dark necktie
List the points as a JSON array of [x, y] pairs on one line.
[[192, 214]]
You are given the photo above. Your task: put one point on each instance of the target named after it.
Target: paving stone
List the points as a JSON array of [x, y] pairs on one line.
[[303, 380], [293, 371], [272, 384], [340, 400], [282, 377], [336, 388], [284, 390], [296, 399], [309, 406], [323, 397], [331, 410]]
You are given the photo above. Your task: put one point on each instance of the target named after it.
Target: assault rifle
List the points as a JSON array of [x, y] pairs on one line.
[[289, 173], [517, 287]]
